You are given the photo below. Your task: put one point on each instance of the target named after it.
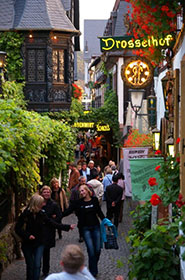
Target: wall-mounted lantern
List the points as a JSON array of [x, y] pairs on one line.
[[136, 97], [152, 110], [2, 65], [167, 85], [156, 139], [2, 59], [170, 146]]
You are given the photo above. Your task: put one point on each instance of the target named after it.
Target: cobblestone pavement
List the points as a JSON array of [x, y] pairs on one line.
[[112, 262]]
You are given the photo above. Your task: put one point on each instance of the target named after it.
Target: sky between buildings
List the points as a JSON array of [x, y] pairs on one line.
[[94, 9]]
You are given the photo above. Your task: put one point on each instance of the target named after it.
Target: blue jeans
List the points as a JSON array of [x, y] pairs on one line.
[[33, 256], [92, 240]]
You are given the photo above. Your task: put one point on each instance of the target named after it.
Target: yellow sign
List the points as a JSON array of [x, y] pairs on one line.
[[129, 42], [137, 72], [84, 124], [99, 127]]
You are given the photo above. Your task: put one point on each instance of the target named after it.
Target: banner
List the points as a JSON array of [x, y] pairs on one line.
[[129, 153], [141, 170]]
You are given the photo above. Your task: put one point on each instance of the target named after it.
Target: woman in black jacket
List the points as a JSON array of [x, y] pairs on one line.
[[53, 212], [30, 227], [88, 209]]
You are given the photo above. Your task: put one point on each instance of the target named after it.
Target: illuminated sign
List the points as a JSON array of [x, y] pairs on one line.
[[86, 112], [99, 127], [84, 125], [137, 72], [129, 42]]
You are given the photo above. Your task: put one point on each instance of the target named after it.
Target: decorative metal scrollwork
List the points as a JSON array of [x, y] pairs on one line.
[[57, 95], [36, 95]]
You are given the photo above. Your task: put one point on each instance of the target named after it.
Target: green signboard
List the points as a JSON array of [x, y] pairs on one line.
[[129, 42], [141, 170]]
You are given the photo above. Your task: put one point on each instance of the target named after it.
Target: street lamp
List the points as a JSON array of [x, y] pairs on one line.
[[170, 146], [136, 96], [2, 60], [156, 139], [2, 64]]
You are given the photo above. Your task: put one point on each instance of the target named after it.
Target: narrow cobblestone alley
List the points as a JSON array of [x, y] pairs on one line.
[[110, 263]]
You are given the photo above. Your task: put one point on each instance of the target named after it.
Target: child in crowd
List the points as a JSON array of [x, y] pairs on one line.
[[72, 262]]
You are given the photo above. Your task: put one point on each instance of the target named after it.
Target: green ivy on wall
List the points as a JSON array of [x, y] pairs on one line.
[[14, 91], [25, 138], [11, 43], [107, 114]]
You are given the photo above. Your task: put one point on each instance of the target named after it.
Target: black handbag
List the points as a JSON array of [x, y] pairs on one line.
[[111, 240]]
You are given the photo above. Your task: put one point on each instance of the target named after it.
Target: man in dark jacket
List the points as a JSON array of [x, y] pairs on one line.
[[52, 210], [92, 169], [113, 199]]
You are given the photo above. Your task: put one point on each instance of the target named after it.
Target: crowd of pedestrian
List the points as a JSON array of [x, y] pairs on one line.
[[91, 147], [88, 186]]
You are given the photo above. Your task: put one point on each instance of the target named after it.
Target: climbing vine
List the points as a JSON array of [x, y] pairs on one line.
[[14, 91], [107, 114], [25, 138], [11, 43]]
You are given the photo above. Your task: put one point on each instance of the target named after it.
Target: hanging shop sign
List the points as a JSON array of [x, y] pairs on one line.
[[129, 42], [98, 127], [137, 72], [84, 124]]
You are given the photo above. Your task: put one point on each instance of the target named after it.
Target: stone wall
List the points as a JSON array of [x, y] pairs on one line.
[[11, 244]]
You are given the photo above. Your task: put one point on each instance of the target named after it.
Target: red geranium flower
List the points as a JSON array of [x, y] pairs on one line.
[[164, 8], [157, 168], [152, 181], [155, 199], [179, 201], [154, 10], [170, 14], [158, 152], [178, 159]]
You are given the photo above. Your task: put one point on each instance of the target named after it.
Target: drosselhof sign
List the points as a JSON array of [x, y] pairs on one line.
[[129, 42]]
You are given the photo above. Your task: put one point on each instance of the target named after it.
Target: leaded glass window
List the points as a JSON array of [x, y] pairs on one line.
[[58, 66], [36, 65]]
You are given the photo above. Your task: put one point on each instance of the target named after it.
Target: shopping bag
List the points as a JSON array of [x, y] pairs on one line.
[[111, 240]]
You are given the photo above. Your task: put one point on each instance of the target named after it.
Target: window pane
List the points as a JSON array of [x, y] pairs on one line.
[[61, 66], [40, 65], [31, 65], [55, 65], [58, 66]]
